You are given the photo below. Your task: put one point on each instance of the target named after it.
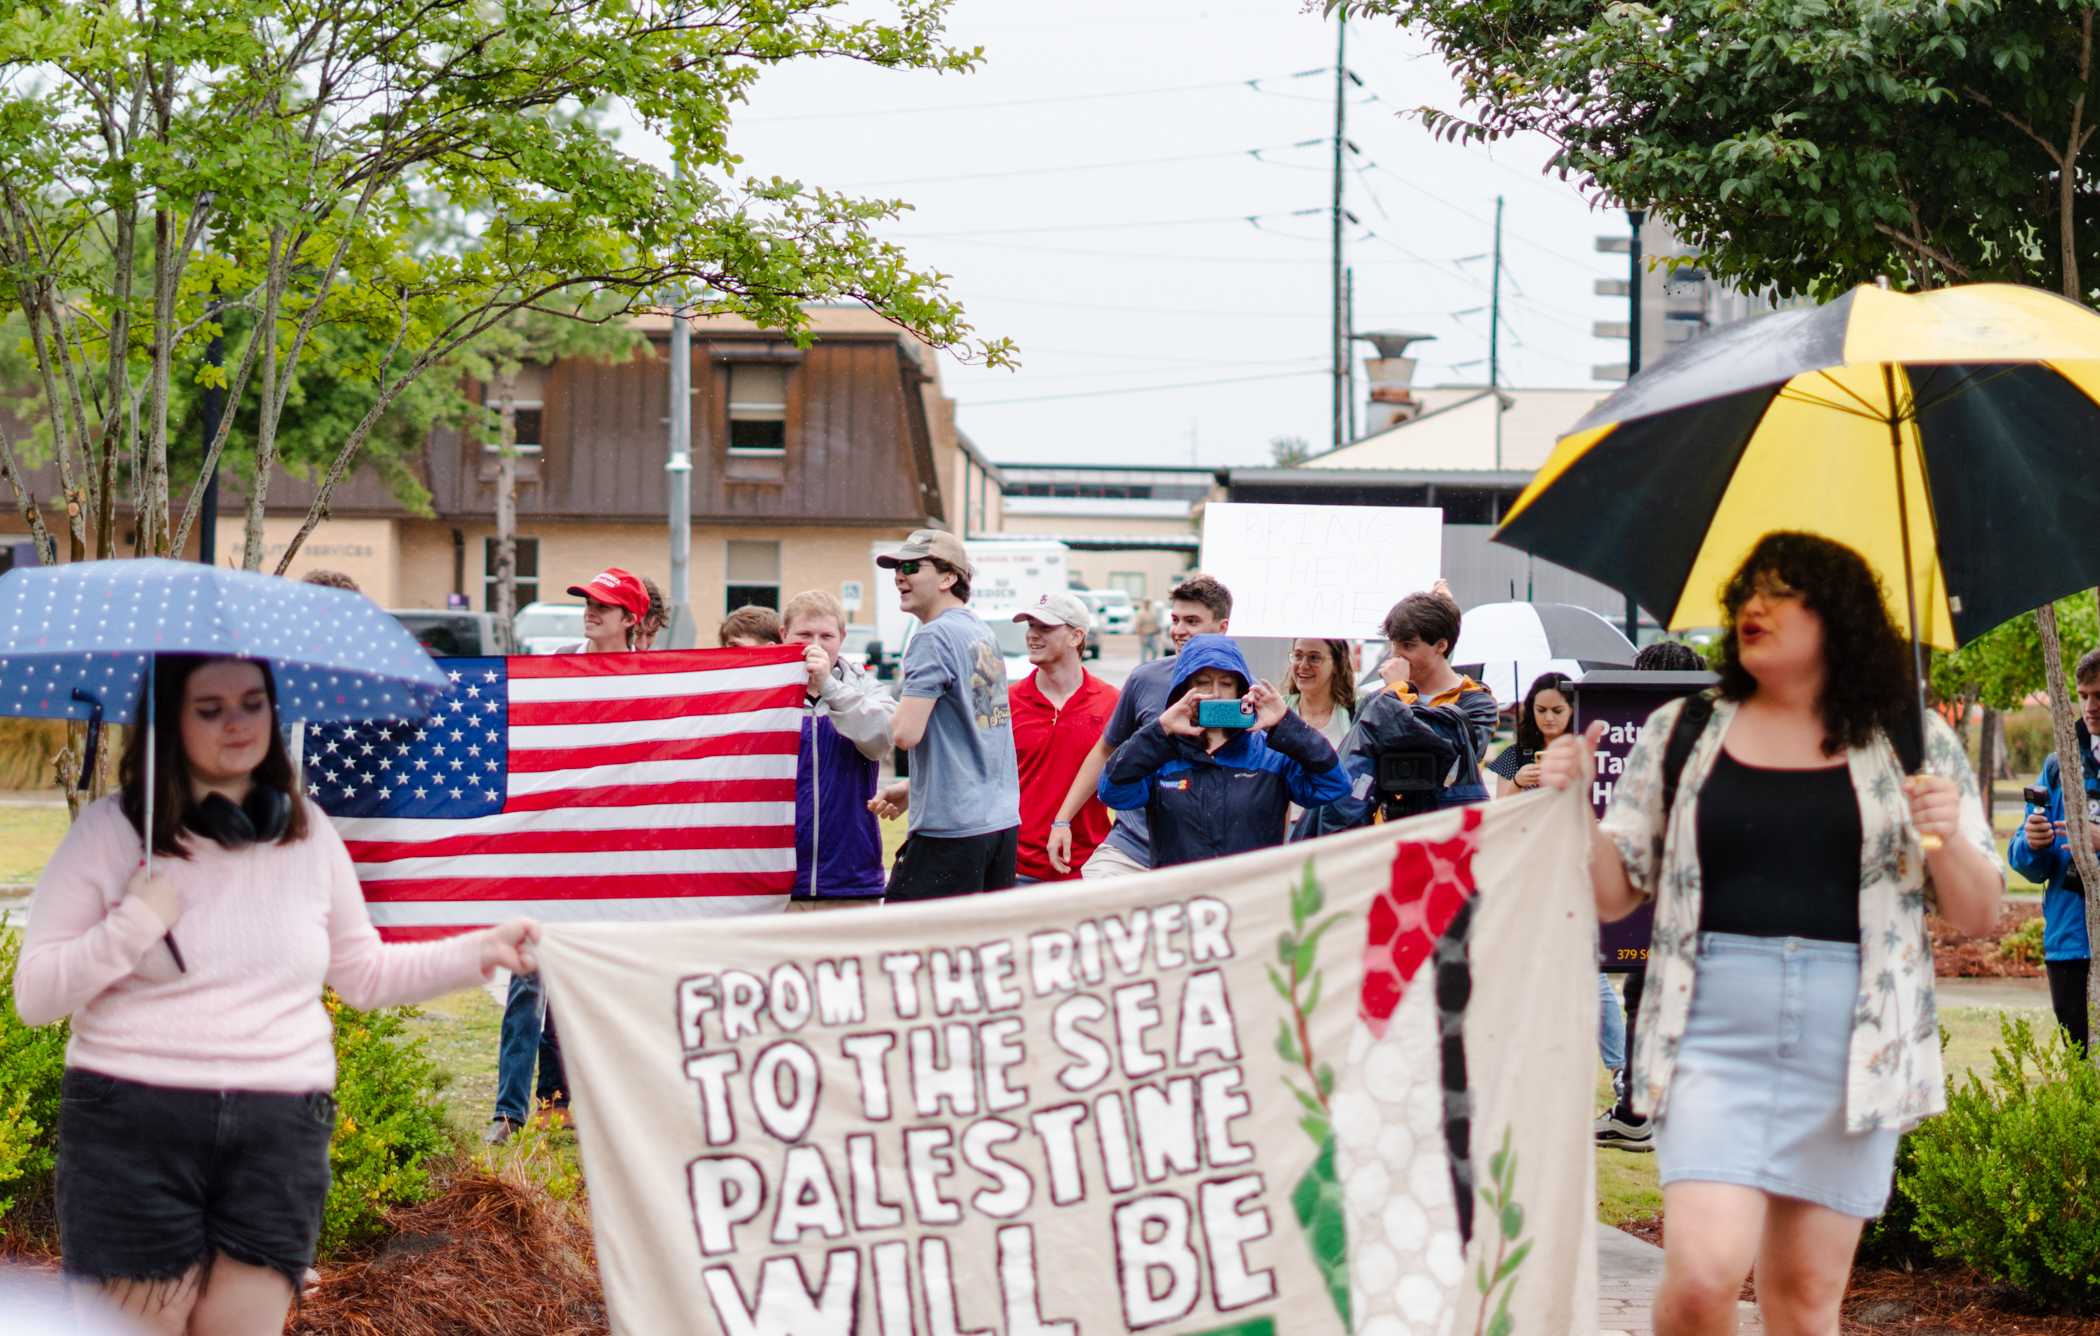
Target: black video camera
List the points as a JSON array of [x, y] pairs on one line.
[[1409, 782]]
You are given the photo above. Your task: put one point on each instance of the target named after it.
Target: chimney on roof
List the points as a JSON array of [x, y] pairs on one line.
[[1391, 375]]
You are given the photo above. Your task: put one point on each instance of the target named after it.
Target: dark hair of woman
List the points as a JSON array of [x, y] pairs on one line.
[[1867, 686], [172, 802], [1528, 736]]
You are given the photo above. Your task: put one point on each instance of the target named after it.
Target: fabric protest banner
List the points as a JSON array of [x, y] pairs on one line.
[[573, 787], [1341, 1086]]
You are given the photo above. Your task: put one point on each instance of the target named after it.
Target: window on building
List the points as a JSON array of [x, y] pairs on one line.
[[528, 573], [1130, 582], [753, 570], [757, 408], [530, 417]]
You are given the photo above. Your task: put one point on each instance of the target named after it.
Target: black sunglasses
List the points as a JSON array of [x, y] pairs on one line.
[[909, 567]]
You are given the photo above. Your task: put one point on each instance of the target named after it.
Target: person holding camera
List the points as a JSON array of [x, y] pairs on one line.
[[1217, 771], [2039, 852]]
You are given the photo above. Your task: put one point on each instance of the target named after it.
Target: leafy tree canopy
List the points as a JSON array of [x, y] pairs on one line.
[[1801, 145]]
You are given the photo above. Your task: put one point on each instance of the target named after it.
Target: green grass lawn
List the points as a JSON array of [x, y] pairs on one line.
[[28, 838]]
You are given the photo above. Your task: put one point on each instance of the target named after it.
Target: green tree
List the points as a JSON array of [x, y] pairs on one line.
[[1810, 145], [384, 186], [1289, 451]]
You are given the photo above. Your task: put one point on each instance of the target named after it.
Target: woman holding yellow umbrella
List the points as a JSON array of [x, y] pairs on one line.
[[1793, 832]]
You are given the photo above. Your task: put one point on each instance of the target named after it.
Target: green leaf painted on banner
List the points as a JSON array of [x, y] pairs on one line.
[[1255, 1326], [1287, 1043], [1326, 1078], [1283, 989], [1312, 998], [1317, 1202], [1512, 1221], [1316, 1127], [1312, 1105], [1512, 1262], [1286, 947]]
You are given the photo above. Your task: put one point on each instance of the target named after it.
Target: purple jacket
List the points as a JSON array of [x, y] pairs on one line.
[[838, 843]]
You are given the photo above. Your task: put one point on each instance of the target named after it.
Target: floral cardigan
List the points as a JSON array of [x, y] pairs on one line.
[[1893, 1077]]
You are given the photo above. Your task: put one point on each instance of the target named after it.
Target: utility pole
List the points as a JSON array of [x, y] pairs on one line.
[[1349, 344], [1495, 332], [1340, 349], [678, 475], [1633, 364]]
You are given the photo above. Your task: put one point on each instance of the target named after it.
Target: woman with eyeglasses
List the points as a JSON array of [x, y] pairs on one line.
[[1786, 1034], [1323, 690], [196, 1107]]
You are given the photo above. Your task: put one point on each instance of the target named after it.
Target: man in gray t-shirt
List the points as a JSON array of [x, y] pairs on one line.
[[952, 716]]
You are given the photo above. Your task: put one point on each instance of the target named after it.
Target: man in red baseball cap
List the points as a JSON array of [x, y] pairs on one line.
[[614, 603]]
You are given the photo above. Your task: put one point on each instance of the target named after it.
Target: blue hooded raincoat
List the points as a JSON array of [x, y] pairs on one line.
[[1201, 804]]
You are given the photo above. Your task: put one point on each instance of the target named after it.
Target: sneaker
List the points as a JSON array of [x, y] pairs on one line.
[[499, 1130], [1622, 1131]]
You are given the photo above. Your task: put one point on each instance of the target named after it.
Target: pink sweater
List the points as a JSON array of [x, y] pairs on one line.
[[261, 929]]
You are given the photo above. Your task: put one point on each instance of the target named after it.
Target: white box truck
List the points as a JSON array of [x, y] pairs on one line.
[[1011, 574]]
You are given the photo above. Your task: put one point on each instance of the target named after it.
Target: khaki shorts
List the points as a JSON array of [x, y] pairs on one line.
[[806, 906], [1110, 861]]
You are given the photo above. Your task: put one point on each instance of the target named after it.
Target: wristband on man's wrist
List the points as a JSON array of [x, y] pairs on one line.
[[1060, 825]]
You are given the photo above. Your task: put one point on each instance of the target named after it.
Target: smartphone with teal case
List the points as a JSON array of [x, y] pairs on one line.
[[1223, 714]]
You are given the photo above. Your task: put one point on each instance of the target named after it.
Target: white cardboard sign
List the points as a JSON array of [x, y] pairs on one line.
[[1330, 571]]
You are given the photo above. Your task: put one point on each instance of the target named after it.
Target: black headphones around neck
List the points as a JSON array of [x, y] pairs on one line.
[[260, 818]]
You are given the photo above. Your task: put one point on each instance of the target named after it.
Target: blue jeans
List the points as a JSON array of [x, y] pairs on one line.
[[1611, 1026], [528, 1039]]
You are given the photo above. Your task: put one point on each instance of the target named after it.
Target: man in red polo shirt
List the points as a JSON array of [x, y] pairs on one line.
[[1059, 712]]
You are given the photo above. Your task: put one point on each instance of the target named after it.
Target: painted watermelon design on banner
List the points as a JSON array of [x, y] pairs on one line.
[[1432, 879]]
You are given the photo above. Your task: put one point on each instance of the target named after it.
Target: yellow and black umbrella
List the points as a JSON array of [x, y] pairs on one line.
[[1950, 437]]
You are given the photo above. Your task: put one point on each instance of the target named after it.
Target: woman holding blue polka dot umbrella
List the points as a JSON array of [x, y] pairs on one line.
[[196, 1108]]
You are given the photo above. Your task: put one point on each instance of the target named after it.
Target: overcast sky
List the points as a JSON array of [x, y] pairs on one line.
[[1089, 189]]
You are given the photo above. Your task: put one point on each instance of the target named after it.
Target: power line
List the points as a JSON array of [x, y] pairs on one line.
[[1064, 169], [1166, 90], [1168, 256], [1119, 225], [1186, 310], [1140, 389]]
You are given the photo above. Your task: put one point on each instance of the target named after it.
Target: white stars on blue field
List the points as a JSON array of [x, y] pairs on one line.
[[450, 765]]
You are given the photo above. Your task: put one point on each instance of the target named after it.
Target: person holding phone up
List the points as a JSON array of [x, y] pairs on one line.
[[1216, 773], [2039, 852]]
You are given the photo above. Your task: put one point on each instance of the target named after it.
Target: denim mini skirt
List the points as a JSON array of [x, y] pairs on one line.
[[1758, 1096]]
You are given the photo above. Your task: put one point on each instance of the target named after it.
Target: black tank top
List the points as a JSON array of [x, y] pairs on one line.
[[1779, 852]]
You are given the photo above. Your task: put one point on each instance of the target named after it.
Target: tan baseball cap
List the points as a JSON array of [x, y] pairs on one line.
[[936, 543], [1057, 609]]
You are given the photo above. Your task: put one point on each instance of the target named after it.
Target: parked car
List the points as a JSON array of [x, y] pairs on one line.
[[549, 628], [1114, 611], [456, 633]]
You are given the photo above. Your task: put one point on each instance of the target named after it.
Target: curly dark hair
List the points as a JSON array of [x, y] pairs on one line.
[[1867, 686], [1528, 736]]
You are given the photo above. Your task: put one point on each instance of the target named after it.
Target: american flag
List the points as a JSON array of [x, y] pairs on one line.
[[573, 787]]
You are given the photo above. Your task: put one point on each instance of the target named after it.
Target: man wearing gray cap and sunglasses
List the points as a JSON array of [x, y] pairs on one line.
[[953, 717]]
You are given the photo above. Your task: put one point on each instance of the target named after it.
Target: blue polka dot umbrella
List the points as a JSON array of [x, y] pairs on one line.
[[78, 642], [75, 640]]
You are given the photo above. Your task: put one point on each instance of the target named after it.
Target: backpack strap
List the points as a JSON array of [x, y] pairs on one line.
[[1684, 735]]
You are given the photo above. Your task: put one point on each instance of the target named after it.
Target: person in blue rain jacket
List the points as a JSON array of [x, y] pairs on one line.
[[1210, 792], [2039, 852]]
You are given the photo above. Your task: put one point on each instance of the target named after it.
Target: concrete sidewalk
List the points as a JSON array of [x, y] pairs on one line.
[[1627, 1271]]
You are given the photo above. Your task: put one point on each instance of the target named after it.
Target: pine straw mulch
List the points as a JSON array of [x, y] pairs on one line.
[[492, 1253], [1956, 956], [1938, 1300]]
